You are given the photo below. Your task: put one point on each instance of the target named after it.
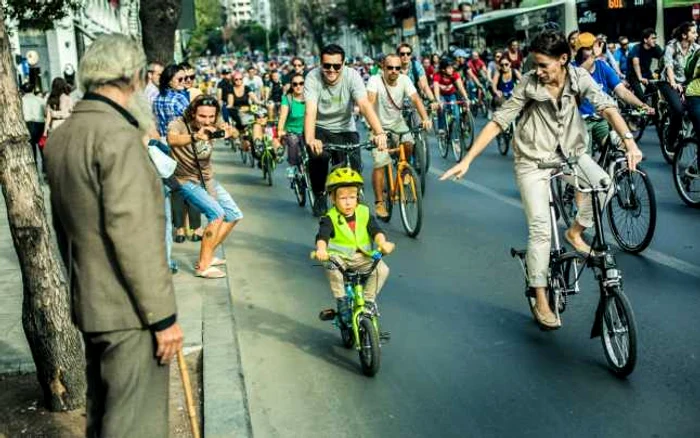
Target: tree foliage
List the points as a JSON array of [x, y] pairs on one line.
[[322, 22], [39, 14], [252, 35], [207, 34], [369, 18]]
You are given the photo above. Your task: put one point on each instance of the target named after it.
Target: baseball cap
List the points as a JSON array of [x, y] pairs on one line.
[[585, 39], [459, 53], [225, 70]]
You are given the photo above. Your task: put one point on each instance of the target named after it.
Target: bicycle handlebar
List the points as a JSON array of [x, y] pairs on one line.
[[376, 256], [368, 145]]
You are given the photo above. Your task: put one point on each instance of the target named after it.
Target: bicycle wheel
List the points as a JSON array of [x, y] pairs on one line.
[[299, 188], [251, 157], [666, 148], [386, 194], [411, 202], [456, 140], [619, 334], [565, 200], [443, 139], [466, 137], [370, 356], [270, 167], [419, 152], [244, 155], [686, 172], [632, 211]]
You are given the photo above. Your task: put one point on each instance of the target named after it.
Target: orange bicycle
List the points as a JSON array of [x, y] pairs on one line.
[[402, 185]]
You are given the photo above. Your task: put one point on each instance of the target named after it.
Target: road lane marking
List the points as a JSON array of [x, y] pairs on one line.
[[651, 254]]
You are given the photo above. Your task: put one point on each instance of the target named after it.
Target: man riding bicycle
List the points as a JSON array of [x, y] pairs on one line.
[[415, 71], [331, 91], [588, 48], [387, 93]]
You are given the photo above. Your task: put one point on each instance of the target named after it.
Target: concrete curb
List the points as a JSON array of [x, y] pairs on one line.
[[226, 412]]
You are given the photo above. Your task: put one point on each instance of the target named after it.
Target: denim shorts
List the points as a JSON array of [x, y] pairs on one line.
[[222, 206]]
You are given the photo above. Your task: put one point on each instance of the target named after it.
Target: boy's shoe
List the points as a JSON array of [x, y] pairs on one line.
[[291, 172]]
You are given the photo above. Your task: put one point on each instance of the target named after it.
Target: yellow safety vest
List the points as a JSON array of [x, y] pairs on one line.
[[346, 243]]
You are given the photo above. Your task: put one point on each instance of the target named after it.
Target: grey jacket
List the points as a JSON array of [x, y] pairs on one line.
[[544, 126], [109, 218]]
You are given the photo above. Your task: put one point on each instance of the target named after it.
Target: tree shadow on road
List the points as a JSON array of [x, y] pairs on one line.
[[311, 340]]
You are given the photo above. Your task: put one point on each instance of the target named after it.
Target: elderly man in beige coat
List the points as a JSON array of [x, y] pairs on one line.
[[108, 214]]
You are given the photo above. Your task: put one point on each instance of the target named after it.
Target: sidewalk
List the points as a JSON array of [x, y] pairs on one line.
[[204, 312]]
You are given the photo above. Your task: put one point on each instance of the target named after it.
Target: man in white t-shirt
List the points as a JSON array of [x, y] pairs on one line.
[[254, 82], [387, 92]]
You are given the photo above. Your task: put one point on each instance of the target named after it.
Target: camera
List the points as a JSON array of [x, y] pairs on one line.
[[219, 133]]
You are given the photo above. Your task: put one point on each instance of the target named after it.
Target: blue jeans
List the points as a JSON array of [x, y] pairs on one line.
[[168, 228], [442, 119], [219, 206]]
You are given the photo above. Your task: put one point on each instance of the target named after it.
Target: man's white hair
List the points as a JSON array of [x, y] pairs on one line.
[[112, 59]]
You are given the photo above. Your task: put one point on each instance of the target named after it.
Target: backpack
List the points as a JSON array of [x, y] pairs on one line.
[[414, 71], [690, 65]]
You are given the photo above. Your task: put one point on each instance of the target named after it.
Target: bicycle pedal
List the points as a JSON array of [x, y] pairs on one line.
[[385, 336], [327, 315]]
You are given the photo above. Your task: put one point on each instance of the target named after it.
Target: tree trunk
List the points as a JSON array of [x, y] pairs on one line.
[[159, 20], [54, 341]]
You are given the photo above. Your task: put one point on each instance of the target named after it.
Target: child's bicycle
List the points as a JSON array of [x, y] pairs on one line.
[[268, 156], [362, 331], [402, 184]]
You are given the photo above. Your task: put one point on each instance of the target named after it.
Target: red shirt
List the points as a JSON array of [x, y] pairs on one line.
[[446, 83], [476, 66], [516, 62]]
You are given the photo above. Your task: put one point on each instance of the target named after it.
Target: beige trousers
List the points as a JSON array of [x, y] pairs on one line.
[[534, 191], [362, 263]]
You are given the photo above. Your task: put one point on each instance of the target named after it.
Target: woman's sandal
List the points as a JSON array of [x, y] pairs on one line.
[[210, 272], [214, 262]]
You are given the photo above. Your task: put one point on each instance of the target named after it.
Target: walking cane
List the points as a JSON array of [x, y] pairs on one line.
[[185, 375]]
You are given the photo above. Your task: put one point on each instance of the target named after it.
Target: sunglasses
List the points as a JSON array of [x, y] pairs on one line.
[[393, 67], [505, 64], [298, 84], [189, 78], [405, 53], [208, 101], [178, 79], [329, 66], [237, 79], [298, 65]]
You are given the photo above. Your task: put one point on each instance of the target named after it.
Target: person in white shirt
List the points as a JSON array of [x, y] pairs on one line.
[[387, 92], [155, 69], [33, 108], [254, 82]]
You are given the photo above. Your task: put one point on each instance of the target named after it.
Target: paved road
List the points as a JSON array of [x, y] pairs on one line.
[[465, 358]]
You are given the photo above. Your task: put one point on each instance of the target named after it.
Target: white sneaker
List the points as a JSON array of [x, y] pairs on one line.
[[291, 172]]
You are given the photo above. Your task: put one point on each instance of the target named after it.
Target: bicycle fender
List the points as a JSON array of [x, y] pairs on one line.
[[597, 329]]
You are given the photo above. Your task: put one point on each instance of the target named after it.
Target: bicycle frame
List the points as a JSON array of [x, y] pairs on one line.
[[355, 291], [401, 164]]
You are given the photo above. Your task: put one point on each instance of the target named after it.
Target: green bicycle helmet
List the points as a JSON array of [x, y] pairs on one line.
[[343, 177]]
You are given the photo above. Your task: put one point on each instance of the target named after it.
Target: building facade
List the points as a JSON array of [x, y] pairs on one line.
[[60, 48]]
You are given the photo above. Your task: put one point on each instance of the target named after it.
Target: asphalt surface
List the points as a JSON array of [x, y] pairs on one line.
[[465, 358]]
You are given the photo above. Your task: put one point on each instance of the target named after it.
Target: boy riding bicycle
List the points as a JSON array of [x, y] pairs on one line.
[[347, 231]]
